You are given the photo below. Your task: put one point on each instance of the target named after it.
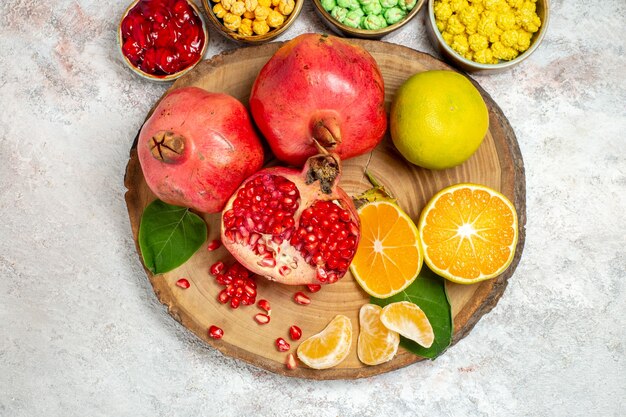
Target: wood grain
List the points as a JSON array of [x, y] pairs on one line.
[[497, 163]]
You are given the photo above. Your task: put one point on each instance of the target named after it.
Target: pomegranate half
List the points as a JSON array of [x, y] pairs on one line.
[[197, 147], [294, 227], [319, 87]]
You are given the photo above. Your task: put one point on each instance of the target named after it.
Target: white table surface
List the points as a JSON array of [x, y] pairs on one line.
[[82, 333]]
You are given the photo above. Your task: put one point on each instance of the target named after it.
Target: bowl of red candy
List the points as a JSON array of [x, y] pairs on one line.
[[162, 39]]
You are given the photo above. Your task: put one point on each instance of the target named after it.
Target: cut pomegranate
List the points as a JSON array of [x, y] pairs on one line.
[[183, 283], [291, 362], [293, 227], [215, 332], [313, 287], [213, 245], [295, 332], [265, 305], [262, 318], [301, 298], [240, 285], [282, 345]]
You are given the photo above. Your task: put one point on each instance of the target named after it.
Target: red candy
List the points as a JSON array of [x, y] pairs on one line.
[[162, 37]]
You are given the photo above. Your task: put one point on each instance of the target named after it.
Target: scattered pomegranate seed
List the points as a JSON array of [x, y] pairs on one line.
[[313, 287], [240, 286], [215, 332], [295, 332], [183, 283], [217, 268], [301, 298], [291, 362], [282, 345], [214, 244], [265, 305], [262, 318]]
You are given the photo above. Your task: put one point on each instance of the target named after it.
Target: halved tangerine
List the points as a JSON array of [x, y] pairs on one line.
[[469, 233], [389, 256]]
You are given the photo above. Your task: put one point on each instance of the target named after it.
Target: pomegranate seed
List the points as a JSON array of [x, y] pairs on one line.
[[282, 345], [313, 287], [267, 262], [301, 298], [183, 283], [250, 291], [262, 318], [264, 305], [295, 332], [291, 362], [223, 297], [214, 244], [234, 302], [217, 267], [215, 332]]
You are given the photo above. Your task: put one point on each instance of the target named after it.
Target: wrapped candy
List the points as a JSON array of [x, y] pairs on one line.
[[339, 14], [353, 18], [374, 22], [394, 15], [406, 4], [373, 8], [349, 4], [328, 5], [388, 4]]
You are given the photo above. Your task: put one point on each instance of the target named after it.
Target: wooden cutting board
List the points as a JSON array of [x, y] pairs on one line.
[[497, 163]]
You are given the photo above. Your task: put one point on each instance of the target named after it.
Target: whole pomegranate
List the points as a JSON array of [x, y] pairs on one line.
[[197, 147], [319, 87], [294, 227]]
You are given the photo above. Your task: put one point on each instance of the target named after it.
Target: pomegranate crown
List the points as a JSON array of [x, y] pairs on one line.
[[324, 167]]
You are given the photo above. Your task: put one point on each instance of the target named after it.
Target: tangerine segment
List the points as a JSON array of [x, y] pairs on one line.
[[389, 256], [329, 347], [469, 233], [410, 321], [376, 343]]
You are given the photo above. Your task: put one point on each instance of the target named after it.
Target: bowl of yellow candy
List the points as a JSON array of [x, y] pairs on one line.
[[485, 36], [252, 21]]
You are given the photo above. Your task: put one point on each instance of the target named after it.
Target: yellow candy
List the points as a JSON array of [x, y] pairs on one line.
[[260, 27], [232, 22], [251, 5], [478, 42], [275, 19], [227, 4], [261, 12], [285, 7], [238, 8], [219, 10], [245, 30]]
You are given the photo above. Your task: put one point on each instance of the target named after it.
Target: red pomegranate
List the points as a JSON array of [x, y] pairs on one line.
[[294, 227], [197, 147], [319, 87]]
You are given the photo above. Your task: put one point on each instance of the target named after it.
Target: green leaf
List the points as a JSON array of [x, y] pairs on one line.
[[169, 235], [428, 292]]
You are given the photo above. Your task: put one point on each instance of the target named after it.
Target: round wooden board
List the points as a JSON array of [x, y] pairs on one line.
[[497, 163]]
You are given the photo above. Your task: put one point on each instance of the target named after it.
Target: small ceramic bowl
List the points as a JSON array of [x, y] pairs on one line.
[[169, 77], [348, 31], [253, 39], [470, 66]]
